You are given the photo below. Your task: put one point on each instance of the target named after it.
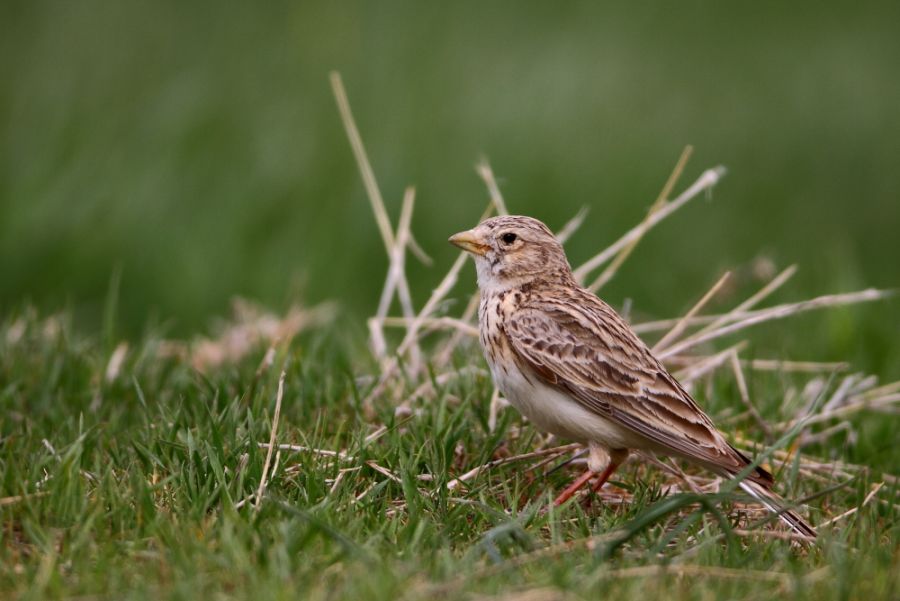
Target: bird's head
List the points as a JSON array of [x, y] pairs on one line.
[[512, 250]]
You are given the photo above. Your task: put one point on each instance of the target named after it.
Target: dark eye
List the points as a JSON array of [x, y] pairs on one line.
[[508, 238]]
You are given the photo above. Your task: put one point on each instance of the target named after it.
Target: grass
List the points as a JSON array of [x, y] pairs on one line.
[[278, 459], [129, 485]]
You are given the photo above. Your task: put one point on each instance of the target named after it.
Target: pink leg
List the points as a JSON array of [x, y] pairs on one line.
[[577, 484], [573, 488], [604, 476]]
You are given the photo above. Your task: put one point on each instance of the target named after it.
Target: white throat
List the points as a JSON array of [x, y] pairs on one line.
[[489, 280]]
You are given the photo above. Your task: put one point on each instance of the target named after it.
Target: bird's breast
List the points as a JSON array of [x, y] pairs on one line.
[[548, 408]]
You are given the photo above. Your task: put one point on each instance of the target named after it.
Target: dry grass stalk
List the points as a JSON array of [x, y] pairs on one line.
[[819, 437], [427, 389], [572, 225], [378, 433], [671, 467], [852, 385], [744, 394], [264, 478], [682, 323], [884, 390], [707, 365], [412, 331], [496, 405], [661, 201], [396, 282], [483, 168], [395, 246], [772, 313], [660, 571], [714, 321], [336, 484], [4, 501], [304, 449], [384, 472], [768, 364], [707, 180], [418, 252], [362, 160], [437, 296], [850, 512], [250, 328], [457, 482], [396, 254], [840, 470], [114, 366], [845, 410], [445, 351], [434, 323]]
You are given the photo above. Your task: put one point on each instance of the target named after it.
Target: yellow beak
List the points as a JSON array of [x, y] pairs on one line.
[[469, 242]]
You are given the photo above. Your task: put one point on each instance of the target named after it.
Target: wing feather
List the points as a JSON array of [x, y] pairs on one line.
[[579, 344]]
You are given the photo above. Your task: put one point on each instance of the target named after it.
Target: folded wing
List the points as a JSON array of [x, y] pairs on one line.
[[580, 345]]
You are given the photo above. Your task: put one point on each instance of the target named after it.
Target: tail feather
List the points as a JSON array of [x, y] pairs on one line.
[[775, 504], [760, 474]]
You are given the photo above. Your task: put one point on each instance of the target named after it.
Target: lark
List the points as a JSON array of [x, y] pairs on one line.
[[569, 363]]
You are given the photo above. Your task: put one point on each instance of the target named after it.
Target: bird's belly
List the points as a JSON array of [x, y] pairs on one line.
[[556, 412]]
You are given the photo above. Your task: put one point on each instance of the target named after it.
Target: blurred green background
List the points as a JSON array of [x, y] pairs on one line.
[[196, 147]]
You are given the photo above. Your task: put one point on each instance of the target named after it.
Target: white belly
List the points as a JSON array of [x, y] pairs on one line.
[[554, 411]]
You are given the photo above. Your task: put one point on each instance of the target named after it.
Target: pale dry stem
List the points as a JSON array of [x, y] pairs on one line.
[[396, 281], [483, 168], [456, 482], [362, 160], [744, 394], [682, 323], [572, 225], [850, 512], [773, 313], [707, 180], [661, 201], [264, 478]]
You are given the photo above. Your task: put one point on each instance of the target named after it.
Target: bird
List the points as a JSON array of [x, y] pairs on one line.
[[574, 367]]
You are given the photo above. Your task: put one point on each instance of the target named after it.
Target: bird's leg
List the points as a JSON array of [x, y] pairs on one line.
[[613, 460], [598, 484], [573, 488]]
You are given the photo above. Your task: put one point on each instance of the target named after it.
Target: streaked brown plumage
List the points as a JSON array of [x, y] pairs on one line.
[[575, 368]]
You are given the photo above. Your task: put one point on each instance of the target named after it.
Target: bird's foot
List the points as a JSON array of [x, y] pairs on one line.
[[581, 480], [573, 488]]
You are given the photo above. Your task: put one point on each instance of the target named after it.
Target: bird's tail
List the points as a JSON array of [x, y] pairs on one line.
[[775, 504]]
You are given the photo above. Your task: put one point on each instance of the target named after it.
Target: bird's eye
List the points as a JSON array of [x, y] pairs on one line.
[[508, 238]]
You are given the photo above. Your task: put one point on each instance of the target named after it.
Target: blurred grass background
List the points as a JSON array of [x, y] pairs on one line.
[[196, 147]]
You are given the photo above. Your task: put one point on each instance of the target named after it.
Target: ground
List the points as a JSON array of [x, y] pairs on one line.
[[137, 479]]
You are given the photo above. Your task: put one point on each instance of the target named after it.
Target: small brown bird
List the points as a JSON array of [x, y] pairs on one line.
[[573, 366]]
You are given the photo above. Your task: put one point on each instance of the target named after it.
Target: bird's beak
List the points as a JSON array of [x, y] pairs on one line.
[[469, 242]]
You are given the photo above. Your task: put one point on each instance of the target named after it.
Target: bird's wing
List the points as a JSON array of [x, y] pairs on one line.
[[580, 345]]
